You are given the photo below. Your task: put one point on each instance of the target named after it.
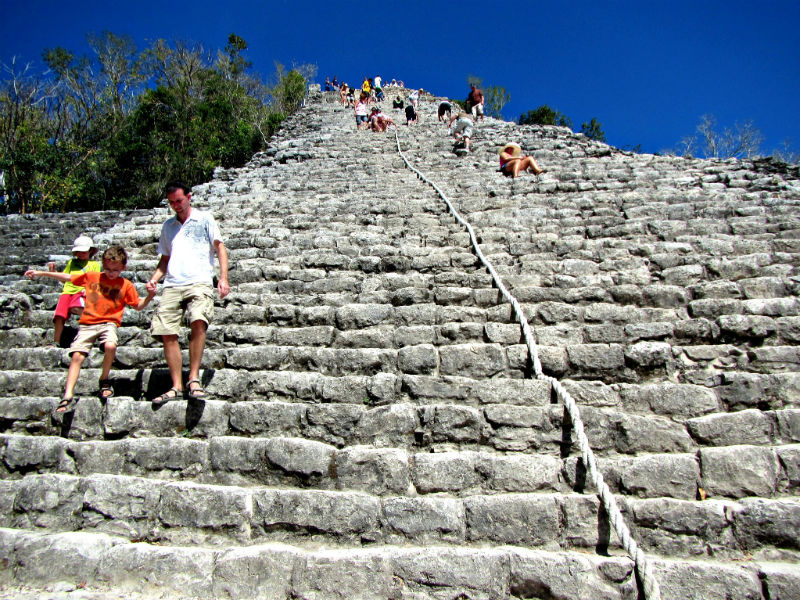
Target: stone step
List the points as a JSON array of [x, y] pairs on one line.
[[195, 514], [41, 559], [729, 471]]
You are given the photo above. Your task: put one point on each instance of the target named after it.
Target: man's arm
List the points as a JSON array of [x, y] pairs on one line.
[[160, 271], [222, 254]]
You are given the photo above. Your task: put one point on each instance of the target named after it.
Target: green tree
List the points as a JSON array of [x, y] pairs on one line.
[[593, 130], [496, 97], [544, 115]]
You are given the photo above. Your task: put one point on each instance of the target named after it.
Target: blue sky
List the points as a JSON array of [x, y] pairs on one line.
[[646, 70]]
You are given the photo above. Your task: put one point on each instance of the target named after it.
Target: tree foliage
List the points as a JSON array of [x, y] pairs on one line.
[[544, 115], [109, 130], [741, 141], [593, 130]]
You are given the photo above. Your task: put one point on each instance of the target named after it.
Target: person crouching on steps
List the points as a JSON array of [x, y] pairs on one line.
[[107, 294]]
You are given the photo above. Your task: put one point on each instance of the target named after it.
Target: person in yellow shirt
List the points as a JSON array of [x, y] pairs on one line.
[[73, 297]]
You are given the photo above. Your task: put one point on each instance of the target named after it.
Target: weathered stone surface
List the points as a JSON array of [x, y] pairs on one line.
[[739, 471], [528, 519]]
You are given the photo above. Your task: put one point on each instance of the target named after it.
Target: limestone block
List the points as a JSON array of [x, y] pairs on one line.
[[444, 472], [377, 470], [358, 316], [739, 471], [434, 389], [349, 389], [666, 296], [217, 509], [742, 427], [387, 426], [680, 527], [746, 326], [472, 360], [333, 424], [676, 400], [342, 575], [788, 425], [789, 328], [526, 392], [426, 517], [520, 473], [262, 571], [145, 568], [699, 581], [782, 581], [530, 519], [772, 307], [304, 458], [648, 354], [503, 333], [29, 452], [73, 556], [417, 360], [789, 457], [53, 501], [414, 335], [570, 575], [271, 358], [759, 522], [596, 357], [672, 476], [120, 497], [270, 418], [449, 423], [636, 433], [711, 308], [452, 572], [336, 513]]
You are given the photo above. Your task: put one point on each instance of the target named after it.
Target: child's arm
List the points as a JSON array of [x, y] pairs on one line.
[[145, 301], [63, 277]]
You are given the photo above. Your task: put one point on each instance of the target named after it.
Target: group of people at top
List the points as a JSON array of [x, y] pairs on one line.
[[370, 116]]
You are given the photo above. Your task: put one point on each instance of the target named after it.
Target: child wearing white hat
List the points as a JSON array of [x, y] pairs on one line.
[[72, 297]]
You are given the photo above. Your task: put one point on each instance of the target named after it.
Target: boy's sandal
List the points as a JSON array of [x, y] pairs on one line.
[[170, 394], [66, 405], [197, 393], [106, 389]]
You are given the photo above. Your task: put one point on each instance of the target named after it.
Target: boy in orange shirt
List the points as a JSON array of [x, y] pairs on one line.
[[107, 294]]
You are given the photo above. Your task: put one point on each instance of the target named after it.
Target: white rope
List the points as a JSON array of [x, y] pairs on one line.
[[644, 568]]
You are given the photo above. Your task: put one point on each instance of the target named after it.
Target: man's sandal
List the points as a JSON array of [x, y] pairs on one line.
[[67, 405], [106, 389], [170, 394], [197, 393]]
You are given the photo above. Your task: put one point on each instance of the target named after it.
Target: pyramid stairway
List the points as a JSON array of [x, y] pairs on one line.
[[375, 429]]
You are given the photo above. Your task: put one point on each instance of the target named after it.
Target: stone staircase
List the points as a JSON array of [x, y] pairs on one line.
[[375, 430]]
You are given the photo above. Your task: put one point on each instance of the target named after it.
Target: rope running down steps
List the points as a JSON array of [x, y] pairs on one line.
[[643, 567]]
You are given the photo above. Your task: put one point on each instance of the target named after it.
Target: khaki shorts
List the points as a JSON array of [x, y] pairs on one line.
[[195, 301], [89, 334]]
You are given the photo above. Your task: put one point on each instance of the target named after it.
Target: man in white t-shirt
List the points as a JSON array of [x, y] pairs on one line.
[[188, 243]]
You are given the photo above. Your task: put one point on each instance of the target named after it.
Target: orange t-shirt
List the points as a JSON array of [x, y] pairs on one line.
[[105, 298]]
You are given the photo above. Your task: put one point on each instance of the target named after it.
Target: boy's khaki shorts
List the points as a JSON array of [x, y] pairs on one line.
[[196, 301], [89, 334]]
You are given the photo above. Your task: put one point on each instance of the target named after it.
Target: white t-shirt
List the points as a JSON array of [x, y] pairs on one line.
[[190, 247], [377, 83]]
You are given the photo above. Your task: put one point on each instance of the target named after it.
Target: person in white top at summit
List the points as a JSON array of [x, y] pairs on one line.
[[187, 246]]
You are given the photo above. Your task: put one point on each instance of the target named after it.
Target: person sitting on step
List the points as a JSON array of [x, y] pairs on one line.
[[512, 161]]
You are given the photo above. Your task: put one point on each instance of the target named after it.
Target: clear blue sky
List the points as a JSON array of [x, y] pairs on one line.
[[647, 70]]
